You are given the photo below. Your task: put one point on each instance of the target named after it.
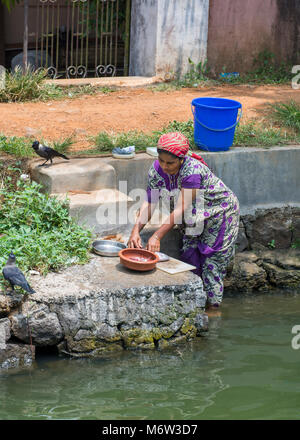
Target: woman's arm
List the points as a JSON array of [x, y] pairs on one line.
[[185, 199], [144, 216]]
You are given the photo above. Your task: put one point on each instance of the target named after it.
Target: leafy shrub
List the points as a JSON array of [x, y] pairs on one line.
[[287, 114], [39, 230], [252, 133], [31, 86], [22, 86], [21, 147], [17, 146]]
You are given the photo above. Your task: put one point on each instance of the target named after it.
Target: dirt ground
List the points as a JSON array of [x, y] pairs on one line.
[[127, 109]]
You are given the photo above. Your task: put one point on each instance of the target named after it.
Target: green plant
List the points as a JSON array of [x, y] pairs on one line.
[[165, 87], [62, 146], [198, 73], [39, 230], [9, 3], [17, 146], [21, 147], [253, 133], [296, 244], [266, 66], [22, 86], [265, 70], [271, 244], [31, 86], [106, 142], [185, 127]]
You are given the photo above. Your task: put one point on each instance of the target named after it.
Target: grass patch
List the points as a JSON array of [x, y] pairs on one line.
[[105, 142], [265, 70], [16, 146], [31, 86], [73, 92], [21, 86], [39, 230], [247, 134], [63, 145], [296, 244], [197, 76], [21, 147], [254, 134]]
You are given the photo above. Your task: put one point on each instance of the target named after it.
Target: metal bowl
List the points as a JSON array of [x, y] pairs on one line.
[[107, 248]]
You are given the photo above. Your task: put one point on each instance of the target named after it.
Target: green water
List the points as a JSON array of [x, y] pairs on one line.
[[245, 368]]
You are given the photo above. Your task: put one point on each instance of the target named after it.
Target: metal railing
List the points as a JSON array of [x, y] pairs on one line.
[[79, 38]]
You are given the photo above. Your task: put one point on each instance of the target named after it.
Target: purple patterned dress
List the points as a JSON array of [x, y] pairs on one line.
[[209, 228]]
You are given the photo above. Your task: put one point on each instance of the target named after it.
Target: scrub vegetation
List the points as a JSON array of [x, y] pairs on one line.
[[37, 227], [31, 86], [287, 114], [250, 133], [265, 70], [21, 146]]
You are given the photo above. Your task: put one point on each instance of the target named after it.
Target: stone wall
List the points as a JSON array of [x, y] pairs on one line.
[[100, 308], [262, 178]]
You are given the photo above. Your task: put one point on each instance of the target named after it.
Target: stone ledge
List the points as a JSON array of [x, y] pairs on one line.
[[264, 270], [116, 81], [102, 307], [74, 175]]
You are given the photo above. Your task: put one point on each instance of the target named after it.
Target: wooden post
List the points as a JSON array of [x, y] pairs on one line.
[[25, 38], [127, 37], [2, 36]]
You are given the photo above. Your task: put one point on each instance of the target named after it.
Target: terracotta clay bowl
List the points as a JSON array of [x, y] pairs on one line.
[[138, 259]]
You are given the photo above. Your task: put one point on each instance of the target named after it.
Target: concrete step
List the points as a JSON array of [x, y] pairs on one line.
[[77, 174], [116, 81], [106, 211]]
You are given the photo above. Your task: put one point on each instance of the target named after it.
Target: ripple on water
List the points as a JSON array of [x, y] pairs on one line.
[[244, 368]]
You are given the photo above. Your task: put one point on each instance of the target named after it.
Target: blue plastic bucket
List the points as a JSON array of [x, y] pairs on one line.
[[215, 120]]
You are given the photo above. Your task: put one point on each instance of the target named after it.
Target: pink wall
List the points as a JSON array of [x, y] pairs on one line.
[[239, 29]]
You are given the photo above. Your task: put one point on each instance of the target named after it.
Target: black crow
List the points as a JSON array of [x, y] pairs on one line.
[[13, 274], [46, 152]]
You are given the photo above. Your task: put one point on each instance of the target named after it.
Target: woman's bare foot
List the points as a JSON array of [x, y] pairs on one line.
[[213, 312]]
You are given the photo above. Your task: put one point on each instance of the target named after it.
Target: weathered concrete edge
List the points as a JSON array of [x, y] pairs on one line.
[[262, 178], [106, 321]]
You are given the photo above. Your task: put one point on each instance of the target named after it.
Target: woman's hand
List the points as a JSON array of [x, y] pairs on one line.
[[135, 241], [153, 244]]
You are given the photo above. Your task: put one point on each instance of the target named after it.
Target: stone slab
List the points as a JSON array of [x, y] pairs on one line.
[[73, 175], [117, 81], [102, 273], [104, 211], [102, 306]]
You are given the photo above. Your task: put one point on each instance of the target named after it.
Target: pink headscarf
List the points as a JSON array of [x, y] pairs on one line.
[[176, 143]]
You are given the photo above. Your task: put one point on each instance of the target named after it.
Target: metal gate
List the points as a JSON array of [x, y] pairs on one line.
[[80, 38]]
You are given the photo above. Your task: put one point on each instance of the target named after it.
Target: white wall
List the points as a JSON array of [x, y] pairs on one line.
[[165, 33]]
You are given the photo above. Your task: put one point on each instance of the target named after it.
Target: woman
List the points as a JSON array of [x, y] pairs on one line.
[[195, 194]]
